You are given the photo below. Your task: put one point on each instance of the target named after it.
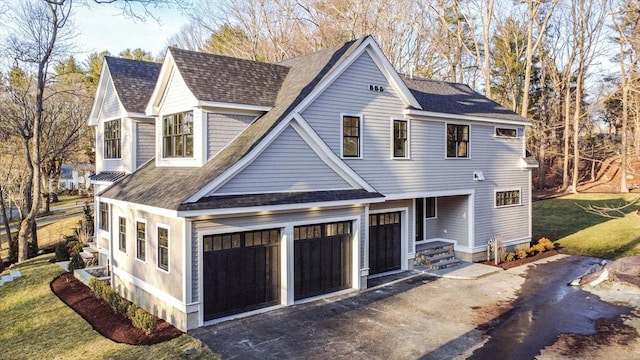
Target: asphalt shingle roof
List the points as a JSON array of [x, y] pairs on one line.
[[226, 79], [170, 187], [453, 98], [134, 81], [110, 176]]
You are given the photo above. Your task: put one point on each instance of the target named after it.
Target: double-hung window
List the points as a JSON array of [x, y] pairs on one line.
[[457, 141], [103, 220], [177, 135], [351, 136], [122, 234], [112, 141], [141, 241], [163, 248], [400, 139]]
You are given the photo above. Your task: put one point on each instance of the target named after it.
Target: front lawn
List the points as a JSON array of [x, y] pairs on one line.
[[579, 232], [37, 325]]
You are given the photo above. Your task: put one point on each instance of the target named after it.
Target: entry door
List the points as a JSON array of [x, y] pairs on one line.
[[241, 272], [385, 242], [322, 259]]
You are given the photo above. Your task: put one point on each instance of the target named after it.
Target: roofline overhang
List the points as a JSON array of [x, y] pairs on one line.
[[273, 208], [447, 116], [234, 106]]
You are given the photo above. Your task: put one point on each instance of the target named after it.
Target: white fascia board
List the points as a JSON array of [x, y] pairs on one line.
[[284, 207], [138, 115], [159, 89], [440, 193], [141, 207], [99, 97], [302, 127], [380, 60], [438, 115], [242, 163], [233, 106]]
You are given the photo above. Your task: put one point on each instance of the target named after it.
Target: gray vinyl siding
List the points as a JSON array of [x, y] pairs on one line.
[[222, 128], [287, 164], [111, 103], [178, 97], [266, 221], [145, 143], [427, 171], [452, 222]]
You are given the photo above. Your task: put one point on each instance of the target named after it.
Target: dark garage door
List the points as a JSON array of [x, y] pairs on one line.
[[385, 234], [322, 259], [241, 272]]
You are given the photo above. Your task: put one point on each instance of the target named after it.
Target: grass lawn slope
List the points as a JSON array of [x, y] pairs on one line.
[[563, 221], [37, 325]]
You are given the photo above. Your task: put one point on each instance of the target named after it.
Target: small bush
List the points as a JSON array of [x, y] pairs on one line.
[[143, 320], [76, 262], [118, 304], [61, 252], [531, 251], [510, 257], [99, 288], [521, 253], [539, 248], [546, 243]]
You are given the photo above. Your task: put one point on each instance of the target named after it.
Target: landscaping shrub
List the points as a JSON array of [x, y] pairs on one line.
[[76, 261], [61, 252], [510, 257], [143, 320], [521, 253], [539, 248], [99, 288], [546, 243]]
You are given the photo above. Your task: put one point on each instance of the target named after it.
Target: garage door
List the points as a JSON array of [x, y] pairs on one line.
[[385, 234], [241, 272], [322, 259]]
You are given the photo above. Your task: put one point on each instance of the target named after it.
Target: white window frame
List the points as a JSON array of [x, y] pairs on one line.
[[146, 240], [360, 138], [104, 139], [497, 190], [103, 224], [446, 129], [392, 138], [495, 132], [120, 234], [166, 227]]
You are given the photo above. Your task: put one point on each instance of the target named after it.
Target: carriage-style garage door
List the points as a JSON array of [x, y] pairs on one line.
[[385, 235], [241, 272], [322, 259]]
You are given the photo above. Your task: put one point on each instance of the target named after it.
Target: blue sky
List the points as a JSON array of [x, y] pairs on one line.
[[104, 27]]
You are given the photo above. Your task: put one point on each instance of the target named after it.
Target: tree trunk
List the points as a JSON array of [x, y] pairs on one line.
[[5, 220], [567, 128], [576, 131], [541, 166]]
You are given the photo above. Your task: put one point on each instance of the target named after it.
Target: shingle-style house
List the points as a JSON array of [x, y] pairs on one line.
[[226, 186]]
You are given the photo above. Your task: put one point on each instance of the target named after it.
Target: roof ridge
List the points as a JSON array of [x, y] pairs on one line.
[[171, 48]]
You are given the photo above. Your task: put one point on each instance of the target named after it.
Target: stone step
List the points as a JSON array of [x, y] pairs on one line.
[[435, 252], [441, 258], [445, 264]]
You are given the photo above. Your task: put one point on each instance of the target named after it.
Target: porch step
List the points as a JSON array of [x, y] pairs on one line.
[[436, 255]]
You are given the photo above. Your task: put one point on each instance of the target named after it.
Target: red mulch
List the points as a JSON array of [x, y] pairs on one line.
[[514, 263], [99, 314]]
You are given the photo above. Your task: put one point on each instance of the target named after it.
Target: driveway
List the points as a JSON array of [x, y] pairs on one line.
[[518, 314]]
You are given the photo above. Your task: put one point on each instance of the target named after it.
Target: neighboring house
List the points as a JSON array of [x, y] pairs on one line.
[[273, 184], [75, 176]]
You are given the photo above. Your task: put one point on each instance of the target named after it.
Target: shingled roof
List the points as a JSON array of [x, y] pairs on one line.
[[170, 187], [454, 98], [134, 81], [231, 80]]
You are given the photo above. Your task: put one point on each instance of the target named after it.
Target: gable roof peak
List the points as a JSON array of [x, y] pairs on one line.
[[133, 81]]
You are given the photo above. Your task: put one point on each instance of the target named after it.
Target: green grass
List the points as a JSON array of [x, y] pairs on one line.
[[37, 325], [579, 232]]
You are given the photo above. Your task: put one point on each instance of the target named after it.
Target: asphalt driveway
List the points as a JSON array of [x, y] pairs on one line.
[[426, 317]]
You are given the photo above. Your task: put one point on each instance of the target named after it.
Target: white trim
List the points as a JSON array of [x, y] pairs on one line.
[[120, 235], [440, 193], [360, 136], [152, 290], [392, 138], [233, 106], [257, 209], [146, 239], [236, 316], [504, 189], [438, 115], [140, 207], [168, 228], [187, 283], [446, 139], [384, 66], [325, 296]]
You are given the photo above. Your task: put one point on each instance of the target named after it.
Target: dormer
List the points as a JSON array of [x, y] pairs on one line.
[[125, 135], [201, 102]]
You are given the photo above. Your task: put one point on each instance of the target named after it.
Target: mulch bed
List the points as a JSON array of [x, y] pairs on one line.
[[101, 317], [514, 263]]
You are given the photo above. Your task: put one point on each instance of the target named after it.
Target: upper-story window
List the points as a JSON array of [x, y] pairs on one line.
[[103, 220], [351, 136], [506, 132], [177, 135], [400, 139], [112, 143], [457, 141], [122, 234]]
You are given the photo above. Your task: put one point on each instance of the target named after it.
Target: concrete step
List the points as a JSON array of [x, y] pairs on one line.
[[445, 264]]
